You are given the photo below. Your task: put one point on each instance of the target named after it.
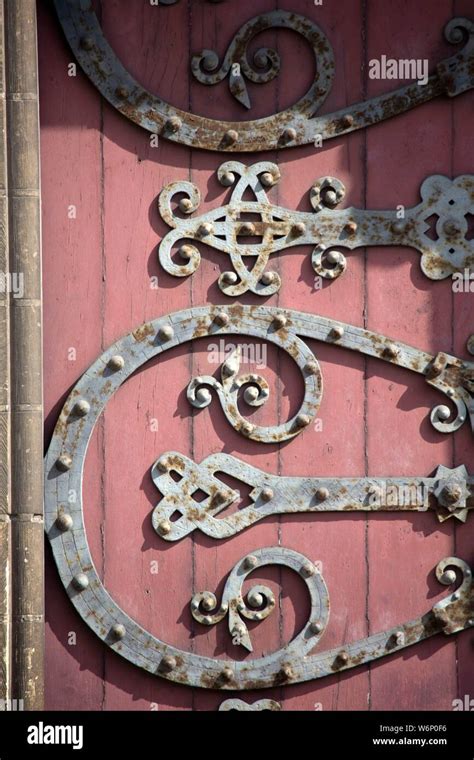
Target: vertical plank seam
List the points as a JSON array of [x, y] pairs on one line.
[[103, 307], [365, 321]]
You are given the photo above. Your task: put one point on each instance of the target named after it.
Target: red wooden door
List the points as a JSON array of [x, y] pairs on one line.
[[100, 181]]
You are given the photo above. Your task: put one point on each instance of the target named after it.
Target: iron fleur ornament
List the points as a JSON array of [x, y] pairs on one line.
[[297, 125], [440, 227], [449, 493]]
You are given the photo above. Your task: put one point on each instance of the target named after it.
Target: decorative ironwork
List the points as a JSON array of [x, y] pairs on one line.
[[285, 329], [241, 706], [297, 125], [266, 62], [441, 227], [293, 663], [64, 521], [449, 493]]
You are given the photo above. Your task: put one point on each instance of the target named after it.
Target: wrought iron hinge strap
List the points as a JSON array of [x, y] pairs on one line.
[[449, 493], [295, 126], [441, 227]]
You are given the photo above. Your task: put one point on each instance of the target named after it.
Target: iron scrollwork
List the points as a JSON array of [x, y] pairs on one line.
[[64, 525], [440, 227], [449, 493], [298, 125]]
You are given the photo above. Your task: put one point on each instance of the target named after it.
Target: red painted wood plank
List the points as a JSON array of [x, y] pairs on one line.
[[70, 147]]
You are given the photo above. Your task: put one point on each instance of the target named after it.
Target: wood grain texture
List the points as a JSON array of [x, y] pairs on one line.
[[99, 270]]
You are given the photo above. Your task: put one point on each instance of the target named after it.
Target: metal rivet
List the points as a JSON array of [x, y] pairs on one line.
[[116, 363], [210, 61], [316, 627], [247, 228], [333, 257], [307, 570], [173, 124], [298, 229], [288, 134], [451, 228], [337, 332], [391, 351], [87, 43], [322, 494], [350, 228], [286, 673], [247, 428], [455, 596], [229, 277], [470, 621], [164, 527], [118, 631], [231, 136], [185, 205], [255, 599], [302, 420], [64, 463], [205, 229], [80, 581], [221, 318], [165, 333], [64, 521], [443, 412], [168, 663], [398, 227], [267, 179], [267, 278], [347, 120], [122, 92], [330, 198], [342, 659], [81, 408], [163, 464], [398, 638], [448, 577], [227, 179], [186, 252], [279, 321], [311, 367], [250, 562], [452, 492], [207, 603], [266, 494], [251, 394]]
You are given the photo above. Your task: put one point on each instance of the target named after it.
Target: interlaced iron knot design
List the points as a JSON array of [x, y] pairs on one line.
[[297, 125], [441, 228]]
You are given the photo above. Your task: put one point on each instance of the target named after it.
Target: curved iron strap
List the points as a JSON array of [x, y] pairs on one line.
[[296, 125], [64, 521], [282, 327], [438, 227], [449, 493]]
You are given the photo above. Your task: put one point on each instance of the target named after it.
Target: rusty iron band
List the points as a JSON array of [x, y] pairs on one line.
[[296, 126], [441, 227]]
